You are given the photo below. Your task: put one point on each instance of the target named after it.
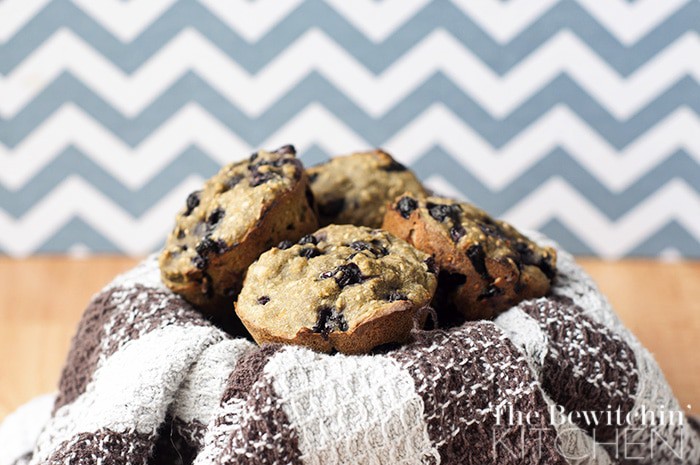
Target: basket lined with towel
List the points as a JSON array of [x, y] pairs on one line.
[[149, 380]]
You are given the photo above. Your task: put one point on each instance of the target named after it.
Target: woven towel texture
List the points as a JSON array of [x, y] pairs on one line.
[[148, 380]]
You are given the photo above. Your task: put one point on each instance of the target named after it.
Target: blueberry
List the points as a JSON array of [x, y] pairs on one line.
[[491, 291], [329, 320], [394, 166], [199, 262], [345, 275], [457, 232], [286, 150], [406, 206], [351, 274], [284, 245], [192, 202], [309, 252], [432, 266], [258, 178], [476, 255], [360, 245], [440, 212], [233, 181], [211, 246], [376, 247], [215, 217], [529, 257], [395, 296], [308, 239]]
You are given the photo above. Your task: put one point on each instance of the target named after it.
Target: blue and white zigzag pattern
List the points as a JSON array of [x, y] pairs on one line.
[[578, 118]]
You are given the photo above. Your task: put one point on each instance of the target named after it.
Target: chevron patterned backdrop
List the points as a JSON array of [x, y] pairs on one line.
[[578, 118]]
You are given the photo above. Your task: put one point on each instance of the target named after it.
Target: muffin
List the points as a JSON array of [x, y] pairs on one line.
[[355, 189], [486, 266], [344, 288], [242, 211]]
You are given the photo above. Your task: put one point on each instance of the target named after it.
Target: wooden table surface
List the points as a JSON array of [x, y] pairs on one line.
[[41, 300]]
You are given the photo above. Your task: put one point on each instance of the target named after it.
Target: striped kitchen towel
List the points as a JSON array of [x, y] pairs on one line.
[[557, 380]]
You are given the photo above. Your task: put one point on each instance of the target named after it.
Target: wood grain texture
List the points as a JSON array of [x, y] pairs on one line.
[[41, 300]]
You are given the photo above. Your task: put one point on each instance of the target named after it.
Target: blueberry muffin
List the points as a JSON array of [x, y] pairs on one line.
[[486, 266], [355, 189], [344, 288], [241, 212]]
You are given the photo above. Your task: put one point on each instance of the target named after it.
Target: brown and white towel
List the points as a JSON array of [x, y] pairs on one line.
[[148, 380]]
